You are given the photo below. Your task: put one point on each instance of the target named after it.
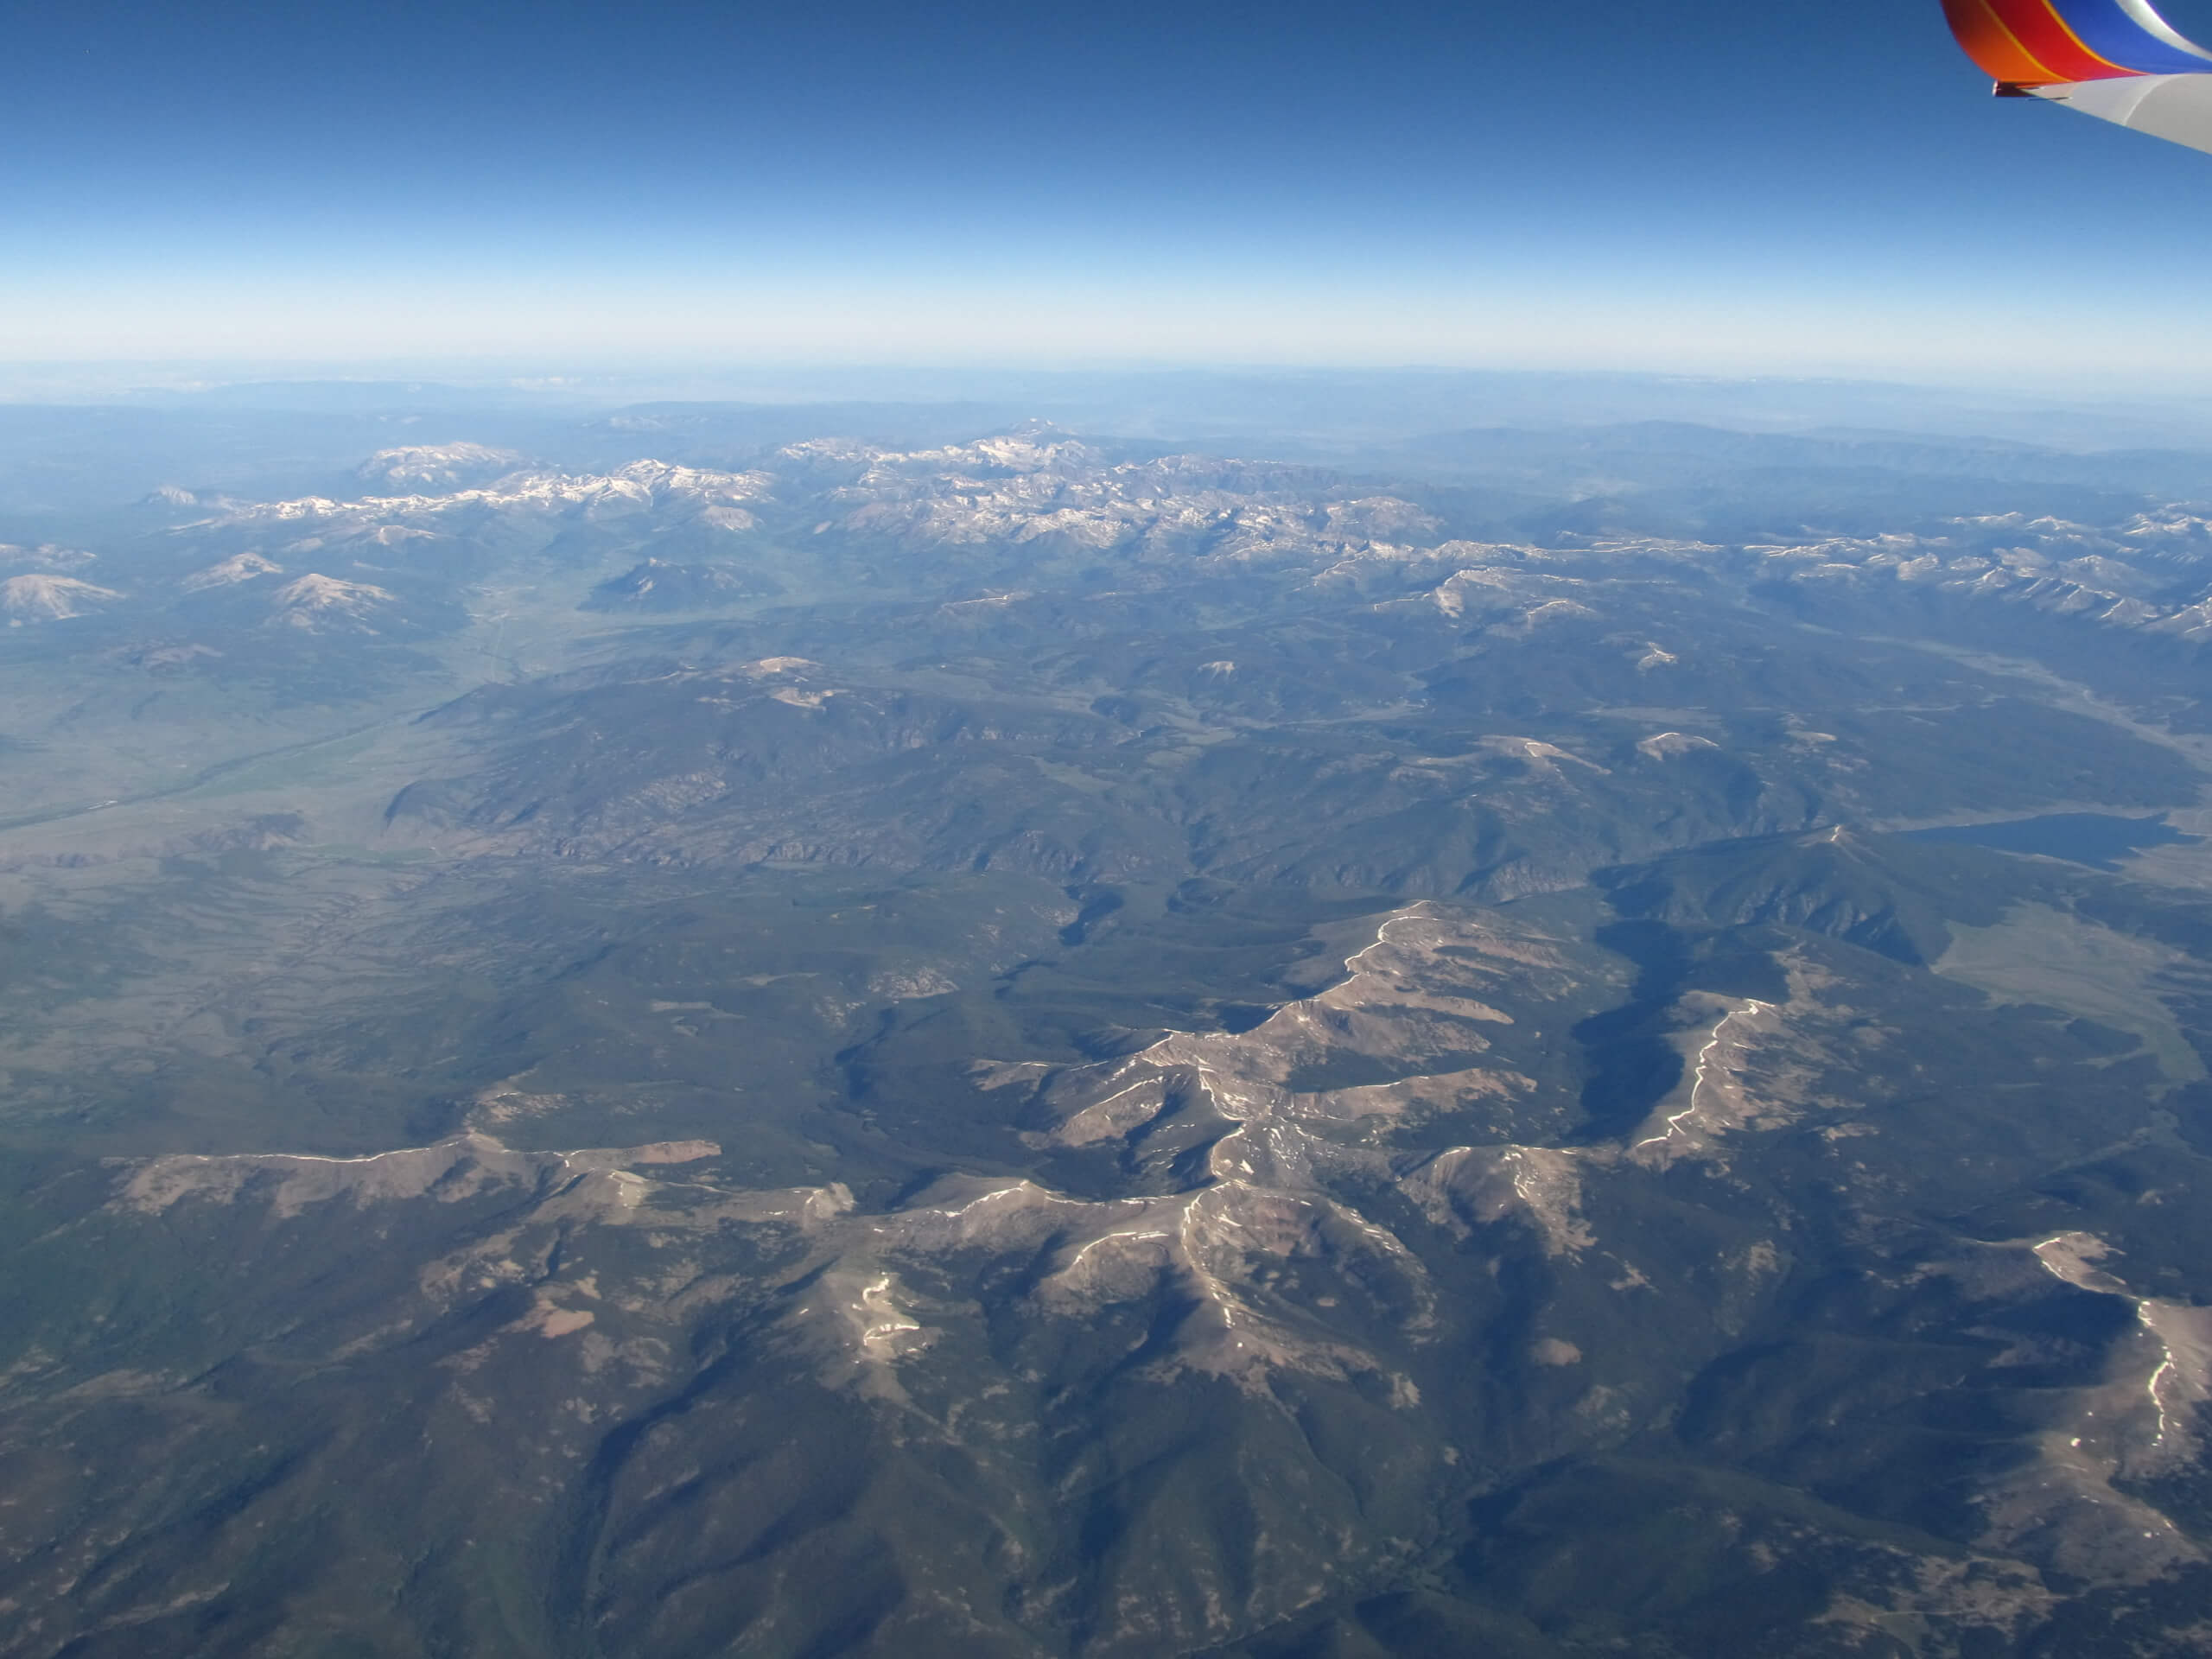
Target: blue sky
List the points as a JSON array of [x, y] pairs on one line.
[[1813, 185]]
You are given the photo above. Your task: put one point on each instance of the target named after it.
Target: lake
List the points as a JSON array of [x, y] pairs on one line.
[[2100, 839]]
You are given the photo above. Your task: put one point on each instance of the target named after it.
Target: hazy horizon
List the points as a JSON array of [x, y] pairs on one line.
[[1313, 412], [1807, 192]]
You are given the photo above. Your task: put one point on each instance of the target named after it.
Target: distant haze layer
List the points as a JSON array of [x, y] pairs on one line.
[[1822, 189]]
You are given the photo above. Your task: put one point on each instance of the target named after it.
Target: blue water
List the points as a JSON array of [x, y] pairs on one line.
[[2100, 839]]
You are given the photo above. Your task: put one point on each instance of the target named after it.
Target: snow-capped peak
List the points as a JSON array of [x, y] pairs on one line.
[[49, 598], [239, 567], [313, 602], [428, 466]]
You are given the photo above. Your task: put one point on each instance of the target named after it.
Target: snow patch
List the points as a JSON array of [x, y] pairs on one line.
[[1667, 745]]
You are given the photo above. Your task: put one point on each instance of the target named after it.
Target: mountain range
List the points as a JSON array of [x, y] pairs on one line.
[[646, 1037]]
